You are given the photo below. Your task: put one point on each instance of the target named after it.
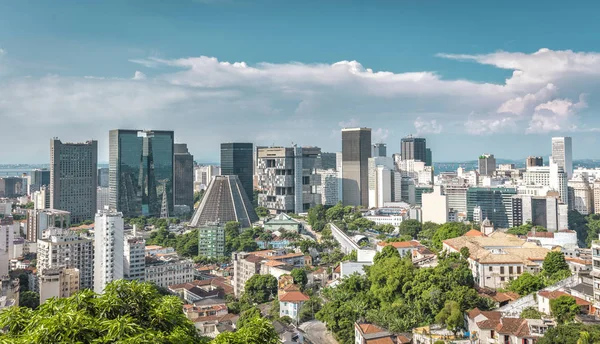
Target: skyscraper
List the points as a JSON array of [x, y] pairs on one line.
[[73, 178], [562, 154], [183, 183], [39, 178], [140, 171], [356, 151], [237, 160], [108, 248], [428, 157], [379, 150], [103, 177], [487, 164], [534, 161], [414, 148]]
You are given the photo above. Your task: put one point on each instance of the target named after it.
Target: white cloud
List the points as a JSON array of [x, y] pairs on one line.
[[555, 115], [380, 135], [351, 123], [427, 127], [139, 75]]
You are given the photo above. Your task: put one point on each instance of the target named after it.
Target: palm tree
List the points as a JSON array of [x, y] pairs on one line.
[[584, 338]]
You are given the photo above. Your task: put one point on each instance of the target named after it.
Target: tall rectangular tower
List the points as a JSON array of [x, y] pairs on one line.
[[140, 171], [183, 184], [73, 178], [562, 154], [108, 249], [414, 148], [356, 151], [237, 160]]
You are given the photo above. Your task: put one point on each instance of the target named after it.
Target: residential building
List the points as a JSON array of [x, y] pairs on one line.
[[237, 160], [74, 178], [493, 327], [140, 171], [596, 196], [41, 198], [329, 188], [153, 250], [290, 303], [596, 272], [562, 154], [413, 148], [58, 283], [287, 178], [487, 165], [5, 207], [404, 248], [22, 247], [7, 236], [134, 262], [168, 270], [552, 176], [211, 240], [368, 333], [545, 211], [456, 195], [103, 197], [379, 150], [225, 200], [435, 206], [108, 248], [581, 195], [356, 150], [62, 247], [534, 161], [494, 203], [38, 220], [183, 176], [498, 258], [564, 238]]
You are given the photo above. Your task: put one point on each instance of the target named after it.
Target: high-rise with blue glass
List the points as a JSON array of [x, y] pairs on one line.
[[140, 171]]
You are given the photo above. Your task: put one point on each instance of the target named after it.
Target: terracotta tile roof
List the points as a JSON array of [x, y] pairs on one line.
[[540, 235], [473, 233], [293, 296], [578, 261], [401, 244], [254, 259], [289, 255], [370, 328], [274, 263], [551, 295], [291, 287], [384, 340], [337, 269], [514, 326], [403, 339], [488, 314]]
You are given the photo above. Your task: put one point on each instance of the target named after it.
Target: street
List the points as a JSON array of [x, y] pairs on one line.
[[315, 332]]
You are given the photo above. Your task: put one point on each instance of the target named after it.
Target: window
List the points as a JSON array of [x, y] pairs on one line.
[[518, 269], [501, 279], [502, 270], [510, 270], [491, 269]]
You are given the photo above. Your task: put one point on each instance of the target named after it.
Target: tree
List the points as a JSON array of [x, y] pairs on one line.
[[335, 213], [447, 231], [386, 228], [127, 312], [450, 316], [571, 333], [410, 227], [262, 211], [554, 262], [316, 214], [299, 276], [531, 313], [29, 299], [247, 316], [256, 331], [388, 251], [260, 289], [526, 284], [564, 309], [198, 195], [310, 308]]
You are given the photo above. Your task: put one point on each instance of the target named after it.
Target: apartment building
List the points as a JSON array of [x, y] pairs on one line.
[[134, 261], [168, 270], [58, 283]]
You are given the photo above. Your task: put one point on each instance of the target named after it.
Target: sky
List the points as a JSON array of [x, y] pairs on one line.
[[472, 77]]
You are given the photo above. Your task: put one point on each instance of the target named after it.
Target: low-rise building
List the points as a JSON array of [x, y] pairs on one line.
[[58, 283], [404, 247], [544, 297], [152, 250], [290, 303], [564, 238], [168, 270], [368, 333], [134, 262], [492, 327], [283, 222]]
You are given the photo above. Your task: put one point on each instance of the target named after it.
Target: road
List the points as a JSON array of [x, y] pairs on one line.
[[315, 332], [310, 232]]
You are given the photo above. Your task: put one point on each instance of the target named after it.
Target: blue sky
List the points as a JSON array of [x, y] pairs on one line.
[[297, 71]]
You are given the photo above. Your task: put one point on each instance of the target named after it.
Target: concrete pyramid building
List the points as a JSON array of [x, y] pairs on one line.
[[225, 200]]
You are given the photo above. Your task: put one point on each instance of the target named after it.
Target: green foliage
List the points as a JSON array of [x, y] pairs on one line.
[[299, 276], [450, 316], [305, 245], [388, 251], [555, 262], [127, 312], [526, 228], [247, 316], [564, 309], [310, 308], [385, 228], [262, 211], [410, 227], [29, 299], [447, 231], [256, 331], [332, 258], [198, 195], [526, 284], [531, 313], [244, 241], [351, 257], [28, 205], [335, 213], [185, 244], [571, 334], [317, 217], [260, 289]]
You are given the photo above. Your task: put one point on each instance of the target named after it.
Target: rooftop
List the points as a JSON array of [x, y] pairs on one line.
[[293, 296], [401, 244]]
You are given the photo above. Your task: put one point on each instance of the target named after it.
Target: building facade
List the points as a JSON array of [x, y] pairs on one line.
[[140, 171], [545, 211], [487, 164], [435, 206], [73, 178], [169, 270], [413, 148], [379, 150], [134, 258], [287, 178], [534, 161], [108, 248], [495, 204], [211, 240], [183, 178], [330, 186], [581, 195], [562, 154], [38, 220], [237, 160], [356, 151]]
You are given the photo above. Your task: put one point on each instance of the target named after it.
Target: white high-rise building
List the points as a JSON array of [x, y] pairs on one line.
[[382, 181], [552, 176], [61, 247], [582, 197], [102, 197], [108, 248], [7, 236], [329, 187], [134, 258], [204, 174], [435, 206], [562, 154]]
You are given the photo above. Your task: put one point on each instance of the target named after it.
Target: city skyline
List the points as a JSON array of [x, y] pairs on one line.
[[406, 70]]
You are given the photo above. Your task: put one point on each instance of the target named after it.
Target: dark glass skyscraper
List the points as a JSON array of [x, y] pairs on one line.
[[414, 148], [183, 186], [140, 171], [237, 160], [356, 151]]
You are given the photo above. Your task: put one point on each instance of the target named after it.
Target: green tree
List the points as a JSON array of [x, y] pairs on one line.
[[410, 227], [316, 214], [388, 251], [531, 313], [29, 299], [571, 334], [247, 316], [257, 331], [447, 231], [310, 308], [555, 262], [386, 228], [564, 309], [335, 213], [260, 289], [299, 276], [262, 211], [198, 195], [450, 316], [526, 284]]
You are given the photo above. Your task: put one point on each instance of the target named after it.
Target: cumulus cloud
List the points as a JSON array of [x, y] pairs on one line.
[[203, 97], [380, 135]]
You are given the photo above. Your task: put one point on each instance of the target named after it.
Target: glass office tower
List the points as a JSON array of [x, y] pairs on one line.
[[237, 159], [140, 171]]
